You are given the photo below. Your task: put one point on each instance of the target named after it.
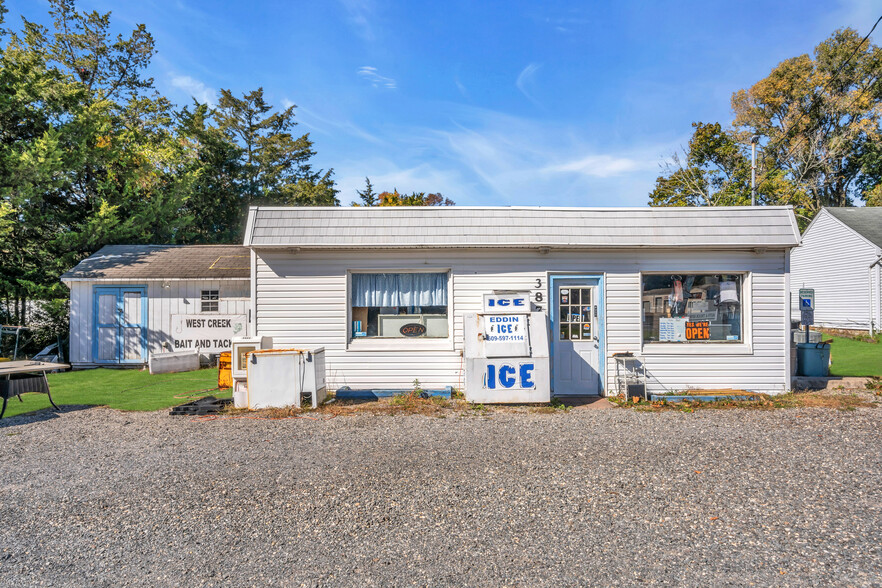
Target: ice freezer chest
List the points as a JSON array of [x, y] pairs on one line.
[[278, 378]]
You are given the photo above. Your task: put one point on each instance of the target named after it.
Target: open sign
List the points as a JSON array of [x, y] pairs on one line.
[[697, 330], [412, 330]]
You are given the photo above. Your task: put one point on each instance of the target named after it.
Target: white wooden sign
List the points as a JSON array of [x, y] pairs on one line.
[[210, 333]]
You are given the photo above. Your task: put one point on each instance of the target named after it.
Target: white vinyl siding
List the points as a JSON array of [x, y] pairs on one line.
[[181, 297], [834, 260], [300, 300]]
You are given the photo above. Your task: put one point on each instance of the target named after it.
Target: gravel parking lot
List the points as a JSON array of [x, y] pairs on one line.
[[609, 497]]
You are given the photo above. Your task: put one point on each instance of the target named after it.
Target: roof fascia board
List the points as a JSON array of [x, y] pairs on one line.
[[552, 248], [249, 225], [131, 278], [530, 208]]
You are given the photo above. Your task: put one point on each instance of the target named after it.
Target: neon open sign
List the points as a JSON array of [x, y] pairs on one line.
[[412, 330]]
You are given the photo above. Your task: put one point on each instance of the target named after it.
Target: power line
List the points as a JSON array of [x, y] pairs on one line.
[[815, 100]]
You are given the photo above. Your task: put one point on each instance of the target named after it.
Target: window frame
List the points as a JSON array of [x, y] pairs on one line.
[[203, 300], [399, 343], [742, 347]]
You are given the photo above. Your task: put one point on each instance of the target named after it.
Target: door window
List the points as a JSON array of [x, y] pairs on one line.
[[576, 315]]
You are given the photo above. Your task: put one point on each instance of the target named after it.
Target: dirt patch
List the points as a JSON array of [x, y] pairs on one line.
[[835, 399]]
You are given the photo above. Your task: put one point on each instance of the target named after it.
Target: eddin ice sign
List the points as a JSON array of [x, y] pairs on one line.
[[207, 333]]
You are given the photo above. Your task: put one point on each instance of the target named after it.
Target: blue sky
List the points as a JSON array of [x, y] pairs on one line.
[[497, 103]]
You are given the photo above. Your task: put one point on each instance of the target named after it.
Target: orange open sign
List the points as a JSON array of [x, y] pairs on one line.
[[697, 330]]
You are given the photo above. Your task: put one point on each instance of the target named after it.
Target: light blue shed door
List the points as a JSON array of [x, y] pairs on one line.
[[120, 325]]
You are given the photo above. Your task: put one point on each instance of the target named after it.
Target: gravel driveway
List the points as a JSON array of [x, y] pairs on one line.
[[609, 497]]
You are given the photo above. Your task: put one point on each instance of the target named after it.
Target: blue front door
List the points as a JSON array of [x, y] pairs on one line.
[[120, 317]]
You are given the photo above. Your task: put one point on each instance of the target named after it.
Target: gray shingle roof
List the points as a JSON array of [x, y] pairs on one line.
[[165, 261], [456, 226], [865, 221]]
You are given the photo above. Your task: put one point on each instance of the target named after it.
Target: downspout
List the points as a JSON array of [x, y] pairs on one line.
[[874, 285]]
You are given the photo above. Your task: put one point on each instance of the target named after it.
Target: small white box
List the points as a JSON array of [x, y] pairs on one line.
[[174, 361], [241, 347], [240, 393]]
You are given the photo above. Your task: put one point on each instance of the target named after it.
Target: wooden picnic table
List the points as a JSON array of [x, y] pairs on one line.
[[17, 377]]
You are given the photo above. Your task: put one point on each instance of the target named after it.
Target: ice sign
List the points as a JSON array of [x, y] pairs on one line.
[[505, 335], [518, 303]]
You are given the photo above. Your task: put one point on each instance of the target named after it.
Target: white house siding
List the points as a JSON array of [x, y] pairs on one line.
[[181, 297], [301, 300], [834, 260]]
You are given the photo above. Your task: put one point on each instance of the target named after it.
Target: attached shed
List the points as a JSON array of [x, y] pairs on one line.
[[128, 301], [611, 280], [840, 258]]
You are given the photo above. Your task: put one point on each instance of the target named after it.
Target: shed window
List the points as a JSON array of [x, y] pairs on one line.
[[210, 300], [692, 308], [399, 305]]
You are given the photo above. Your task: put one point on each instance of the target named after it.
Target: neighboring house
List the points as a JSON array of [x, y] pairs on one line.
[[611, 280], [840, 258], [128, 301]]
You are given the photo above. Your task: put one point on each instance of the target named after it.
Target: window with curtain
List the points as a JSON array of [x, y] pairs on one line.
[[388, 305], [692, 308]]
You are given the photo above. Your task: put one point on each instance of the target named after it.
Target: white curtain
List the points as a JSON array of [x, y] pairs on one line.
[[412, 290]]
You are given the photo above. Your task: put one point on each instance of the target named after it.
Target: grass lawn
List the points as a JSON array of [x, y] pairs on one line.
[[855, 358], [120, 389]]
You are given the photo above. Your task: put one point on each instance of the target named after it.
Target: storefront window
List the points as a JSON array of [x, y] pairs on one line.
[[692, 308], [399, 305]]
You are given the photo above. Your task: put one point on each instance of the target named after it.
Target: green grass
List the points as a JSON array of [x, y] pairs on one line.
[[121, 389], [855, 358]]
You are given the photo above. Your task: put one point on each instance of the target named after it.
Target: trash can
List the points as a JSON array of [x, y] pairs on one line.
[[225, 370], [813, 359]]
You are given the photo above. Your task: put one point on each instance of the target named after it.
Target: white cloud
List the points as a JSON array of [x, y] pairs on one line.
[[286, 103], [386, 175], [601, 166], [461, 87], [323, 124], [858, 14], [485, 157], [360, 14], [370, 74], [524, 83], [194, 88]]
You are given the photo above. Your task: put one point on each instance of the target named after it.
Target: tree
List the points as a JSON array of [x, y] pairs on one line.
[[275, 164], [394, 198], [817, 122], [368, 197], [91, 154], [216, 195], [109, 68], [83, 162]]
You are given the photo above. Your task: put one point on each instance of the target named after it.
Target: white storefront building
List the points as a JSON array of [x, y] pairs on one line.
[[700, 294]]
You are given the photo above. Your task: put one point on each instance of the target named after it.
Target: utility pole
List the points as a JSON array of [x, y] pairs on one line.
[[753, 141]]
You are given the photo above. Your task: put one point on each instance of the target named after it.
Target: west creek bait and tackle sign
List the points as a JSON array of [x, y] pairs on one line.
[[212, 333]]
